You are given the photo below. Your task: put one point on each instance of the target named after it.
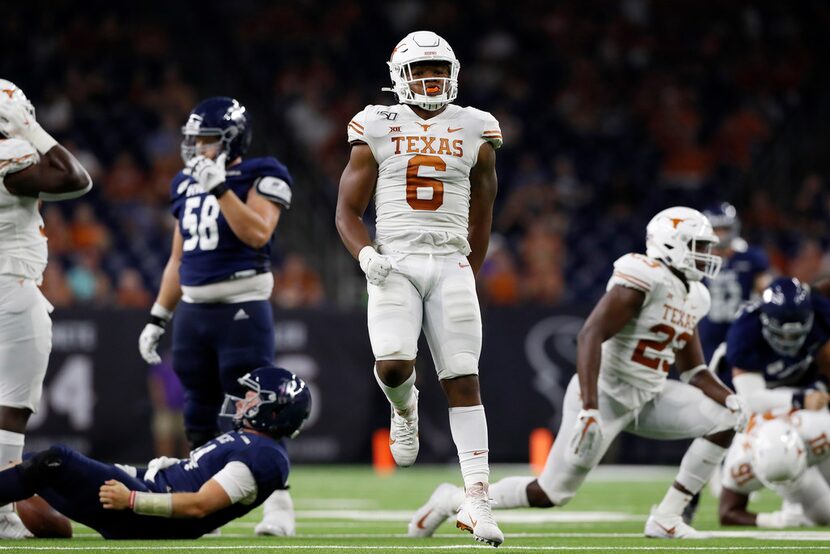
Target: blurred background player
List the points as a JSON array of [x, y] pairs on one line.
[[743, 275], [227, 209], [789, 454], [779, 349], [430, 167], [224, 479], [645, 322], [33, 167]]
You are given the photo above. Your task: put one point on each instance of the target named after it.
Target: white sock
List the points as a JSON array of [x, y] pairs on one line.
[[674, 502], [280, 500], [510, 492], [401, 397], [469, 433], [11, 452]]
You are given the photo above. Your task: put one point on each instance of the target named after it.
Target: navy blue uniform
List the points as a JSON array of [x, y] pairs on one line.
[[216, 343], [748, 350], [730, 290], [70, 484]]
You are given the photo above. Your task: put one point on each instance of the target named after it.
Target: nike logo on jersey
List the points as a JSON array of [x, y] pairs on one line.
[[463, 265], [451, 130], [479, 452]]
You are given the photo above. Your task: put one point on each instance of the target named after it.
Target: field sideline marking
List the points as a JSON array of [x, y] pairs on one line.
[[110, 547]]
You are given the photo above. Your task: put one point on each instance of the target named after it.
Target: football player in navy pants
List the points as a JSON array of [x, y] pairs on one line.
[[218, 277]]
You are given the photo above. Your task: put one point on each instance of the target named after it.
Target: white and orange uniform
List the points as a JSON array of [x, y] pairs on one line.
[[25, 326], [422, 205], [634, 394], [811, 489]]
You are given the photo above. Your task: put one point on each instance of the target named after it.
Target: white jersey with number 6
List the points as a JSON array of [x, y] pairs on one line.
[[422, 195], [636, 361]]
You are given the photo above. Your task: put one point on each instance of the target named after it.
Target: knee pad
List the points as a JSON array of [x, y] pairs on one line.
[[459, 365], [388, 346]]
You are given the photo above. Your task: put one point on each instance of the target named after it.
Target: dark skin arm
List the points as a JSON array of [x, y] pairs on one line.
[[57, 172], [732, 509], [616, 308], [356, 187], [690, 357], [483, 188], [822, 286]]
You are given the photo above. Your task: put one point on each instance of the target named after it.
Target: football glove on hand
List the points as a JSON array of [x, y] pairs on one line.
[[148, 341], [737, 406], [585, 447], [375, 265], [209, 173]]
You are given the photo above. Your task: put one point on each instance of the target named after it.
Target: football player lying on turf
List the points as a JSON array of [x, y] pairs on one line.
[[222, 480], [645, 322], [789, 454]]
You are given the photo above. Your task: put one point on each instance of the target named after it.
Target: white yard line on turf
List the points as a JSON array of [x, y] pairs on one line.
[[513, 516], [386, 548]]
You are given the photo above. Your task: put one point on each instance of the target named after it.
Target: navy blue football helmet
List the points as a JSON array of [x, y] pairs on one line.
[[280, 407], [220, 117], [723, 215], [786, 315]]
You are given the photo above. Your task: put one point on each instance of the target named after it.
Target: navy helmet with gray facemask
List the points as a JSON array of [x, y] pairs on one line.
[[221, 117], [786, 315], [280, 408]]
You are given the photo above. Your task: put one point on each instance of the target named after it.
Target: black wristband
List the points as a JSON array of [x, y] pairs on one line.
[[156, 320], [219, 190], [798, 399]]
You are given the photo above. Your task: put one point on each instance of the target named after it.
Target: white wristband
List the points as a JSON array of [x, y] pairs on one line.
[[41, 140], [152, 503], [160, 311], [687, 376]]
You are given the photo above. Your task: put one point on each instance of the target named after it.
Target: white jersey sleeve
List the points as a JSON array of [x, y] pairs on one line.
[[489, 129], [16, 155], [356, 128], [814, 428], [635, 271], [238, 481]]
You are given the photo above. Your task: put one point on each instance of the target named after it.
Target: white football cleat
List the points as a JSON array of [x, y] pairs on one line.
[[278, 516], [11, 527], [440, 506], [403, 435], [476, 516], [671, 526]]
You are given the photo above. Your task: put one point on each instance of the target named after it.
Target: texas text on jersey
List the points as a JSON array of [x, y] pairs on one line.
[[422, 197], [211, 251]]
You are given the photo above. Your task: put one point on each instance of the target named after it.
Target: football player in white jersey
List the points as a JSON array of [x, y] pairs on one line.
[[430, 167], [646, 321], [789, 452], [33, 167]]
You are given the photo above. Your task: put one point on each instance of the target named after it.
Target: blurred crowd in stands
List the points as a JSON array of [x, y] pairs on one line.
[[610, 112]]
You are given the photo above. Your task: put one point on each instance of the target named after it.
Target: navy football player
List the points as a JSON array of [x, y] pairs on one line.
[[222, 480], [744, 274], [227, 209], [779, 349]]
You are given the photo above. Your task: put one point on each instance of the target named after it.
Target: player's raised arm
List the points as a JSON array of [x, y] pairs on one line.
[[58, 175], [483, 188], [356, 187]]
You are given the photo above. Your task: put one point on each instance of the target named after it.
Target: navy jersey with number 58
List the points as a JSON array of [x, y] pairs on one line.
[[747, 349], [211, 251]]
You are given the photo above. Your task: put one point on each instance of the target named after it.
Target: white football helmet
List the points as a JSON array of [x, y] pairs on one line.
[[778, 453], [9, 92], [683, 237], [422, 46]]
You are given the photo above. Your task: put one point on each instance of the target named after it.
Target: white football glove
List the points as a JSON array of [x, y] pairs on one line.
[[148, 341], [737, 406], [783, 518], [375, 265], [209, 173], [585, 447]]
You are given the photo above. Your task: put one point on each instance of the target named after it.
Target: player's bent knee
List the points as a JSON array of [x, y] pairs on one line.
[[721, 438], [43, 466]]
